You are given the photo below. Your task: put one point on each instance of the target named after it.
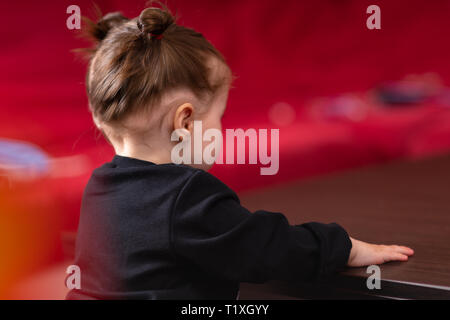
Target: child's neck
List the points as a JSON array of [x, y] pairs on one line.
[[148, 152]]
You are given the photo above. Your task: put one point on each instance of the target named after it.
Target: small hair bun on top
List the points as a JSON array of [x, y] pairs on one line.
[[154, 21], [100, 30]]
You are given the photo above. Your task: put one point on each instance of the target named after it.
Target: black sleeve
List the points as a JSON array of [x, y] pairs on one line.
[[213, 231]]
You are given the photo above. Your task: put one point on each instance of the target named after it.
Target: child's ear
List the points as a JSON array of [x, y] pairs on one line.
[[183, 118]]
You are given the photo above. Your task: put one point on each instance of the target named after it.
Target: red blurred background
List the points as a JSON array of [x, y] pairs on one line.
[[311, 69]]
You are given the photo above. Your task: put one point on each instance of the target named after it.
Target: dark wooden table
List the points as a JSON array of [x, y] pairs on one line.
[[407, 203]]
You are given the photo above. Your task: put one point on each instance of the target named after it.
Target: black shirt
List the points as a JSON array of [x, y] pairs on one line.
[[169, 231]]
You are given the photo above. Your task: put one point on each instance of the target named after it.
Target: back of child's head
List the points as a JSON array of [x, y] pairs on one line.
[[136, 61]]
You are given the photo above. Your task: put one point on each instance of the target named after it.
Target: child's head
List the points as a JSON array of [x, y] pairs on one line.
[[149, 76]]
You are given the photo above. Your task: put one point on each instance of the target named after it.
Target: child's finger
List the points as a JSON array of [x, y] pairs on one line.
[[396, 256], [404, 250]]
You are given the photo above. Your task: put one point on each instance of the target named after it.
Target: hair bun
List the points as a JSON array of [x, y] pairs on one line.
[[100, 30], [154, 21]]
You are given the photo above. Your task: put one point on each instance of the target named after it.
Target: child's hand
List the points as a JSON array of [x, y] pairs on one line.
[[365, 254]]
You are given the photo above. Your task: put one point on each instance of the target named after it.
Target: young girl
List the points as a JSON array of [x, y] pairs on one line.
[[152, 229]]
